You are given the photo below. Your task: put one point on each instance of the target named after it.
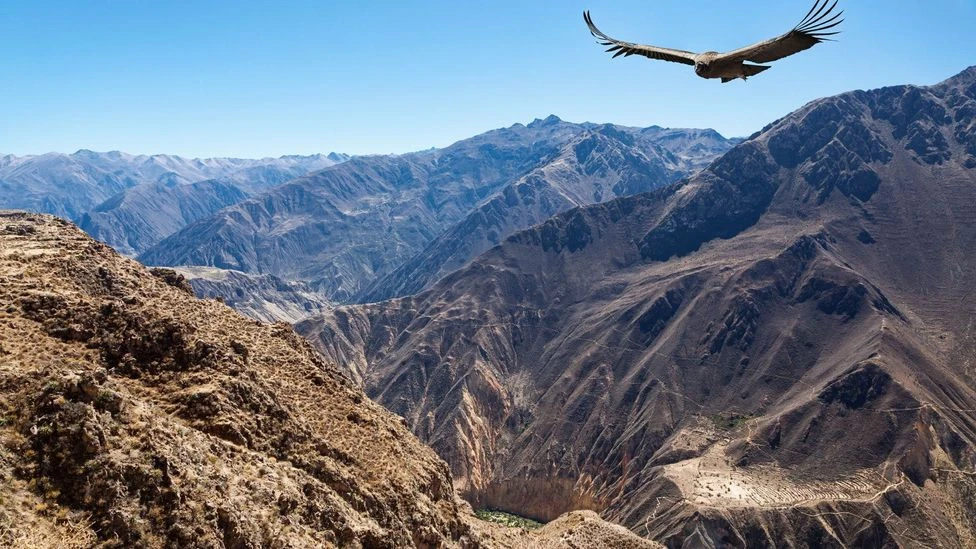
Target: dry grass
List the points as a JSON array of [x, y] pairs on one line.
[[171, 420]]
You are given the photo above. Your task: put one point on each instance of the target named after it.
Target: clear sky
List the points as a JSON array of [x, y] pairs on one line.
[[258, 78]]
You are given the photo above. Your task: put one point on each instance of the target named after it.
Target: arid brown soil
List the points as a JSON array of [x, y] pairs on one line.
[[133, 414], [575, 530]]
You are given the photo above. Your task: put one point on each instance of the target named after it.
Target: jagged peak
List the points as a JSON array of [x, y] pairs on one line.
[[550, 120], [613, 132]]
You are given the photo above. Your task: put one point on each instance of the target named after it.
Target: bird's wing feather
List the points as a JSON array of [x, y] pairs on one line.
[[810, 32], [619, 47]]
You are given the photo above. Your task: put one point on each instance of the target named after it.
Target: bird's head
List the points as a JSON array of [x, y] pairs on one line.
[[703, 63]]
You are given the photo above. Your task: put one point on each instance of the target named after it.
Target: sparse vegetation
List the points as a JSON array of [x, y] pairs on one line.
[[730, 421], [89, 456], [508, 519]]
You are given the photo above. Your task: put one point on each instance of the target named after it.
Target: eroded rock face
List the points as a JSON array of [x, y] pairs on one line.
[[772, 352], [262, 297], [600, 164]]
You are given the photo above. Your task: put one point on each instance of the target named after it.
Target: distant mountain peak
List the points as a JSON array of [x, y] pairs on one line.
[[612, 131], [599, 163], [550, 120]]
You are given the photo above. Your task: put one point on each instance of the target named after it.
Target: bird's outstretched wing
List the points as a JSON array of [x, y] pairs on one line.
[[627, 48], [810, 32]]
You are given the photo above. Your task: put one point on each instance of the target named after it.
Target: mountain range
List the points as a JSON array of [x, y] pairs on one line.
[[342, 229], [764, 342], [774, 352], [600, 164], [133, 201], [307, 223]]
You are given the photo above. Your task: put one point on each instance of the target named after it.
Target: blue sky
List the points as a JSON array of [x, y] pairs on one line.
[[260, 78]]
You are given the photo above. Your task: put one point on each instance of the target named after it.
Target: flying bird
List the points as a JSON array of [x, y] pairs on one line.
[[728, 66]]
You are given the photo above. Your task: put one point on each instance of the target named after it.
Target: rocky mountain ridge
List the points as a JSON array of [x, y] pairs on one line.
[[68, 185], [262, 297], [322, 229], [775, 351], [140, 217], [598, 165]]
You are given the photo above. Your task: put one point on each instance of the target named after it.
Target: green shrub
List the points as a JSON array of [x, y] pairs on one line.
[[508, 519]]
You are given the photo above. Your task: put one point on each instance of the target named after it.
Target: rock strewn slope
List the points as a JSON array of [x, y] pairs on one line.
[[134, 414], [174, 421], [776, 351]]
